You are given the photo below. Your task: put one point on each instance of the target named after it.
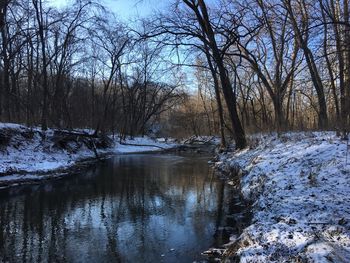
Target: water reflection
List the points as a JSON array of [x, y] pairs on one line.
[[132, 208]]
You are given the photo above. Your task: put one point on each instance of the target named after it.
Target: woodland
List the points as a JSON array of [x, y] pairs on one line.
[[200, 67]]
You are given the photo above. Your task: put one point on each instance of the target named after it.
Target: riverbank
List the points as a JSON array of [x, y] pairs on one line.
[[29, 154], [298, 186]]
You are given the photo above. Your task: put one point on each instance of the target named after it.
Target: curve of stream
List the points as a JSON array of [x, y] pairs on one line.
[[130, 208]]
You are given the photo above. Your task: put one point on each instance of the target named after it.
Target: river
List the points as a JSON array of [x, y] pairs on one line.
[[129, 208]]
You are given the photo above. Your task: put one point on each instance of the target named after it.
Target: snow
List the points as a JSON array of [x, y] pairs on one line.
[[31, 158], [299, 187], [11, 125], [154, 145]]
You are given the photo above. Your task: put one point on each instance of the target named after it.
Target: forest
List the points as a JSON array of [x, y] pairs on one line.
[[188, 131], [228, 67]]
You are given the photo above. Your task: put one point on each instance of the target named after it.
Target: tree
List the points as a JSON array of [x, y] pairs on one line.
[[273, 55], [301, 31], [191, 27], [42, 28]]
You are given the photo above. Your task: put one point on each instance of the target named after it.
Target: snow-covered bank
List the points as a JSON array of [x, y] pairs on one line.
[[30, 154], [299, 187]]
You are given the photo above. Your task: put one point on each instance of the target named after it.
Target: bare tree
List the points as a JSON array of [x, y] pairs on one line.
[[301, 31], [273, 56], [42, 28]]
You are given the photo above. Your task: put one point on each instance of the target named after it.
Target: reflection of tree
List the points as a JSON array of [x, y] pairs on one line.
[[134, 199], [220, 200], [112, 235]]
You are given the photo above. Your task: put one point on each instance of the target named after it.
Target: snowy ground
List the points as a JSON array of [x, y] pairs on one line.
[[299, 187], [27, 156]]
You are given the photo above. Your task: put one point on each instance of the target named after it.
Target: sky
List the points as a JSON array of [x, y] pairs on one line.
[[125, 9]]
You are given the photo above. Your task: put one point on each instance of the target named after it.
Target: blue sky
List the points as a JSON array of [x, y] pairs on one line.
[[126, 9]]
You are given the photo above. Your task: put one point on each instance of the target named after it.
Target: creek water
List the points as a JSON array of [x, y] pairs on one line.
[[129, 208]]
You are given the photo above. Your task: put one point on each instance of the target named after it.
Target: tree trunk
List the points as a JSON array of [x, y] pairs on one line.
[[39, 16], [315, 77], [279, 116], [218, 99], [347, 67], [229, 95]]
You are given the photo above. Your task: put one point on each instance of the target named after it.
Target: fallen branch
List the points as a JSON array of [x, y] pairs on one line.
[[74, 133], [143, 145], [93, 148], [199, 140]]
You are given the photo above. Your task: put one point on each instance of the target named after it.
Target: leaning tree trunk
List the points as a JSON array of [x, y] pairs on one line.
[[322, 115], [230, 99], [310, 61], [229, 95], [218, 98]]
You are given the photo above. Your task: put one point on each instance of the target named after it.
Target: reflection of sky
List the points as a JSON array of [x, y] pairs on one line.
[[180, 230], [136, 208]]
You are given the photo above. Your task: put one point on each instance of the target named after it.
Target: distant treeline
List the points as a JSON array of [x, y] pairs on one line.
[[257, 65], [77, 67]]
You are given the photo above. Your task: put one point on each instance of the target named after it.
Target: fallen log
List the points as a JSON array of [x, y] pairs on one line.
[[64, 139], [74, 133], [142, 145], [199, 140]]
